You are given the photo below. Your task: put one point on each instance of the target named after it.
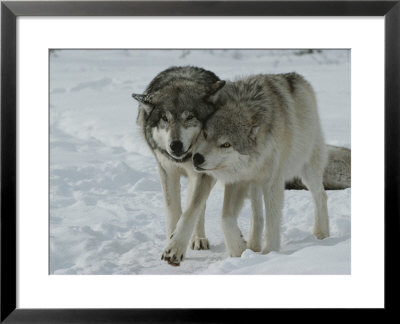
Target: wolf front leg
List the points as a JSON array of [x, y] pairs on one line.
[[198, 240], [171, 186], [233, 201], [257, 218], [273, 199], [176, 247]]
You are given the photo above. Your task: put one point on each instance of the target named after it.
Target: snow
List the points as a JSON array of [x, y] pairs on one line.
[[106, 206]]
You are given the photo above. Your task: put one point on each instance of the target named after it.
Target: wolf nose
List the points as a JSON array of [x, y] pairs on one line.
[[198, 159], [176, 147]]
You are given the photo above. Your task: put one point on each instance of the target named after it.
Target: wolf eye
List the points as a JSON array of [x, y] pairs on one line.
[[164, 118], [189, 117], [226, 145]]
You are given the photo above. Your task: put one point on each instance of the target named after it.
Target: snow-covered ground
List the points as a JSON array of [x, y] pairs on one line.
[[106, 205]]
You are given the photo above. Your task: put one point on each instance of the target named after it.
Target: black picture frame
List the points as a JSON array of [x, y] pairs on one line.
[[11, 10]]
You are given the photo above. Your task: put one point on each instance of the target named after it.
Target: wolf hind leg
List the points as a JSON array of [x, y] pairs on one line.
[[257, 219], [312, 177]]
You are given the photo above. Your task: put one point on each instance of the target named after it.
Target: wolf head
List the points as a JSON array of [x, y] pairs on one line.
[[229, 139], [173, 112]]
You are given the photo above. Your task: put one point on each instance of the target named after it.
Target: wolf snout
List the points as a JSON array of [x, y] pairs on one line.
[[176, 147], [198, 159]]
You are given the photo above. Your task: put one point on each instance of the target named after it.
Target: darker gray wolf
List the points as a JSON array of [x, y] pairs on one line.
[[172, 111]]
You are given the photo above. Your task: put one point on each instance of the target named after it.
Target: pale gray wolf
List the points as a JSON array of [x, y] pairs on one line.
[[337, 173], [172, 111], [265, 131]]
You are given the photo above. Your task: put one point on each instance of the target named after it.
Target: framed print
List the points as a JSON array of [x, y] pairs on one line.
[[92, 117], [126, 177]]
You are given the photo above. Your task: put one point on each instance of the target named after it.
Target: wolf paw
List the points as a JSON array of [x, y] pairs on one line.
[[320, 235], [174, 253], [198, 243], [265, 250], [254, 246], [270, 248], [237, 247]]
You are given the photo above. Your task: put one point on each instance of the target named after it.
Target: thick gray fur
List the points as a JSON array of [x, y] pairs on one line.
[[173, 109], [337, 173], [175, 90], [265, 131]]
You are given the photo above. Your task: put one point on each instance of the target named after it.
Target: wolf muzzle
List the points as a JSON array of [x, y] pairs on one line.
[[176, 148], [198, 159]]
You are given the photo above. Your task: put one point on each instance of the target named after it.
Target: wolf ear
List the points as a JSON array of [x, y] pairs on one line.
[[254, 127], [212, 89], [145, 101], [215, 87], [254, 131]]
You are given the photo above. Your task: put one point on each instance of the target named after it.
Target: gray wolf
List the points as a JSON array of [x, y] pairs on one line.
[[265, 131], [172, 111]]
